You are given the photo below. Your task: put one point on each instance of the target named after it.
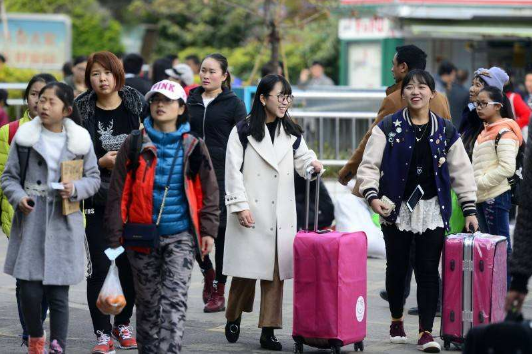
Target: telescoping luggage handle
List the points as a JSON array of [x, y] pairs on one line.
[[310, 173]]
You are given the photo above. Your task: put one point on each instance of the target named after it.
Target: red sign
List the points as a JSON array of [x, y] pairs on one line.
[[440, 2]]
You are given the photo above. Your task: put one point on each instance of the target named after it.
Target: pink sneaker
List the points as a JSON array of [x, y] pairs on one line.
[[427, 344], [397, 332]]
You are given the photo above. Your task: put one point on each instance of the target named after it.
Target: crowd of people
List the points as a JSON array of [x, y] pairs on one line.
[[177, 152]]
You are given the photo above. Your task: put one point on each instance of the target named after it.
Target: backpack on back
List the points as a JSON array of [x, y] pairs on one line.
[[517, 178]]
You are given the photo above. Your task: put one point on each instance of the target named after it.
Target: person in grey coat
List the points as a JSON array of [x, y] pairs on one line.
[[46, 249]]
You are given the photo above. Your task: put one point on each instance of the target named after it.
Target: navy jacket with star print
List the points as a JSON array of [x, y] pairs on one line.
[[384, 168]]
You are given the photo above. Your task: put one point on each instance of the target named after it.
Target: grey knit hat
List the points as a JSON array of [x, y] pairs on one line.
[[493, 76]]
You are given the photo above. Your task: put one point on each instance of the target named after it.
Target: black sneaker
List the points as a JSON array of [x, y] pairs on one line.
[[270, 342], [414, 311], [232, 330], [384, 295]]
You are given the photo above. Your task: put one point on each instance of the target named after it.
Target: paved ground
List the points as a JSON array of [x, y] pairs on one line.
[[204, 332]]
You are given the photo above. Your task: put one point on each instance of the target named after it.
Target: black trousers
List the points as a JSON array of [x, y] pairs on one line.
[[411, 270], [206, 264], [100, 266], [428, 248], [31, 295]]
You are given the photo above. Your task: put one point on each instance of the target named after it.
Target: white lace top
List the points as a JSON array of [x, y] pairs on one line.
[[426, 216]]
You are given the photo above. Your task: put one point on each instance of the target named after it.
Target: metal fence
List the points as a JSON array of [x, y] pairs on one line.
[[334, 118]]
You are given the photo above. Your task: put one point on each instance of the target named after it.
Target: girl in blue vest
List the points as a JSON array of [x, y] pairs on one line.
[[412, 161]]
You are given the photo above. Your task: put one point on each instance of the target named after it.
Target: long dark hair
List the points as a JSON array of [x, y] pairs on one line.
[[257, 116], [224, 65], [43, 77], [66, 94]]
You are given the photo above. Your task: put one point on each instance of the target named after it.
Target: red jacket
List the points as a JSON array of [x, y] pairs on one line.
[[520, 109], [132, 200]]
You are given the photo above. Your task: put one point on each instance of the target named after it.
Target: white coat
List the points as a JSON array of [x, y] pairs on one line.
[[265, 186]]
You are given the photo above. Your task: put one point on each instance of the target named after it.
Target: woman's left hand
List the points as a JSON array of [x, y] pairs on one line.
[[318, 166], [207, 242], [68, 191], [471, 223]]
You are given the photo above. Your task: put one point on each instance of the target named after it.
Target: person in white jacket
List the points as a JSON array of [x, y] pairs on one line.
[[262, 152], [494, 163]]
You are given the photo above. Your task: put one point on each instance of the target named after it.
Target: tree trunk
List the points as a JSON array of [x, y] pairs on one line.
[[274, 38]]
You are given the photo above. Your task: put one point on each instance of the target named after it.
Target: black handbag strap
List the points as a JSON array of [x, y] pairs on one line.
[[167, 186]]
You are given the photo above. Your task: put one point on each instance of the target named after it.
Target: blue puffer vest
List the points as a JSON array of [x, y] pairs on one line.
[[175, 217]]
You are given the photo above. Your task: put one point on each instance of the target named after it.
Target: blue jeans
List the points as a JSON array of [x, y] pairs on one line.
[[494, 218]]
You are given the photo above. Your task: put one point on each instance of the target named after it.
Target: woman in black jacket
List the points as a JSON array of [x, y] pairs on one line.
[[214, 110], [109, 111]]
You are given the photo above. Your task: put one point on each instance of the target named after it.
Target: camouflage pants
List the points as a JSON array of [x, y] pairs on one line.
[[162, 279]]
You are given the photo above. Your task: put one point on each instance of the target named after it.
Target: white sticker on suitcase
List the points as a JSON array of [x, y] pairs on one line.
[[360, 309]]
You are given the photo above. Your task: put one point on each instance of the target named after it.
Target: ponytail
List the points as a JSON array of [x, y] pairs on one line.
[[227, 81], [224, 65]]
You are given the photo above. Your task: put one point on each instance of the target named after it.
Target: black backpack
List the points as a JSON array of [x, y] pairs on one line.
[[135, 148], [517, 178]]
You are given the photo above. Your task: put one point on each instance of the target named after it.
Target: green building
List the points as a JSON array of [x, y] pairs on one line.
[[469, 33]]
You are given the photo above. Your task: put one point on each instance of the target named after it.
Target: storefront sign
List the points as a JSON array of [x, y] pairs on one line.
[[36, 41], [366, 28]]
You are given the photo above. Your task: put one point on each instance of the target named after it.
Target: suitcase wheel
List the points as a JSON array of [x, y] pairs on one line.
[[359, 346], [447, 344], [298, 347], [336, 350]]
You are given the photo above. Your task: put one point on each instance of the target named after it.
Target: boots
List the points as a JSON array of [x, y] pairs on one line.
[[217, 301], [36, 345], [208, 278]]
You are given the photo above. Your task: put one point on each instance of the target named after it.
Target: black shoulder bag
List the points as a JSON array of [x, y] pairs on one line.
[[147, 235]]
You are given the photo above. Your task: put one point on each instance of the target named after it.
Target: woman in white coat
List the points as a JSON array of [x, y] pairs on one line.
[[262, 153]]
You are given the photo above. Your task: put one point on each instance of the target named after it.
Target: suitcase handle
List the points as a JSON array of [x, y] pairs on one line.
[[310, 173]]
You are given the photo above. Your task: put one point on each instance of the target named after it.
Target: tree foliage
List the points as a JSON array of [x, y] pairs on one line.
[[239, 29], [93, 27]]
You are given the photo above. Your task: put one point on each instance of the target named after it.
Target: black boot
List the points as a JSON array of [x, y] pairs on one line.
[[269, 341], [232, 330]]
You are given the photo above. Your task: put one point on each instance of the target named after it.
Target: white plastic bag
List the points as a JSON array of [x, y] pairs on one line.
[[111, 300], [353, 214]]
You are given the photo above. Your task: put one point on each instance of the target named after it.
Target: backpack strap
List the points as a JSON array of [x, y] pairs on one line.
[[135, 147], [499, 136], [23, 159], [13, 127]]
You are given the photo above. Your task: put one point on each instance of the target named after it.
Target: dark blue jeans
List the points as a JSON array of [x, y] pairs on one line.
[[494, 218]]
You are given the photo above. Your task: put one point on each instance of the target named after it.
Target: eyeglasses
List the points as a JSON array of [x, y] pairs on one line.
[[482, 105], [163, 99], [281, 98]]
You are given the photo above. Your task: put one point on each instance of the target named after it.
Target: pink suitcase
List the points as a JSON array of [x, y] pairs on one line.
[[329, 288], [474, 284]]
